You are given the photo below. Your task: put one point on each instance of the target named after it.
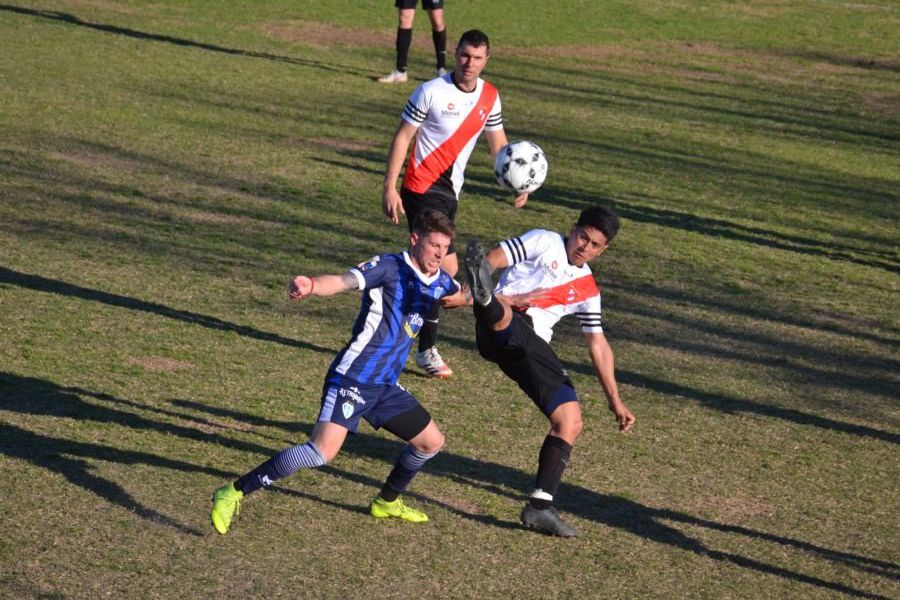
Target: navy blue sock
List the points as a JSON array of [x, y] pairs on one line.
[[408, 464], [289, 460]]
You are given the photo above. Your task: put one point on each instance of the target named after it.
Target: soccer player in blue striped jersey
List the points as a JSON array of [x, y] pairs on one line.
[[398, 291]]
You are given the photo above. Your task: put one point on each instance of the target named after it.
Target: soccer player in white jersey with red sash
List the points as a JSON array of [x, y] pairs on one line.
[[546, 278], [442, 121]]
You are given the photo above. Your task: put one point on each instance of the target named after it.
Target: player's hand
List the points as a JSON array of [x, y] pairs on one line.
[[301, 287], [392, 205], [461, 298], [623, 416], [521, 199]]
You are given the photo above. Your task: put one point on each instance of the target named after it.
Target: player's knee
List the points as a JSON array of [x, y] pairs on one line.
[[431, 444], [569, 428]]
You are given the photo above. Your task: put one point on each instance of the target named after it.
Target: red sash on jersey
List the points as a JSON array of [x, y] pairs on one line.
[[420, 177], [572, 292]]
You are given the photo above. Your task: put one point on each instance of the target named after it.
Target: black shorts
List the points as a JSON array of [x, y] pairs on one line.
[[529, 361], [426, 4], [414, 204]]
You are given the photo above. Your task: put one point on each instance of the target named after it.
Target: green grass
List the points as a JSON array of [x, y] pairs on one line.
[[166, 167]]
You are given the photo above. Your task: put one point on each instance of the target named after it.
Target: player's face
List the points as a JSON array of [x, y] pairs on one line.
[[470, 62], [428, 250], [585, 244]]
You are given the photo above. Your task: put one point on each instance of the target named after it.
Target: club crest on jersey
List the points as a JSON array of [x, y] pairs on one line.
[[413, 324], [482, 114], [347, 408], [369, 264], [572, 295]]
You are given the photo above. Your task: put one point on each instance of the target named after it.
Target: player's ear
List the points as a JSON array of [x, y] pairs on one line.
[[413, 239]]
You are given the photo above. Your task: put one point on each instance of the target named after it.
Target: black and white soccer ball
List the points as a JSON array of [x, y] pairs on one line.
[[520, 167]]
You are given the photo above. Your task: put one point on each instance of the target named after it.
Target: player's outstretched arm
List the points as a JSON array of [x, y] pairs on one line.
[[391, 203], [604, 366], [322, 285]]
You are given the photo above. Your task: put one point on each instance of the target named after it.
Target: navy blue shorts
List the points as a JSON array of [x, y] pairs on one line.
[[348, 401]]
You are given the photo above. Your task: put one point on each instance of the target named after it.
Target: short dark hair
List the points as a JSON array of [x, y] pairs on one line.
[[602, 219], [475, 38], [430, 221]]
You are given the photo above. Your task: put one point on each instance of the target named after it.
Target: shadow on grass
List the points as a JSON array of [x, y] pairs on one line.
[[718, 402], [72, 459], [70, 19], [612, 511], [718, 228], [54, 286]]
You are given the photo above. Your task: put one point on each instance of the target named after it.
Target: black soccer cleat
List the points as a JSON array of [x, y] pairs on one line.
[[547, 521], [478, 273]]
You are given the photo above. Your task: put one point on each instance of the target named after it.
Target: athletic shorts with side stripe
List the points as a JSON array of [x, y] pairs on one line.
[[414, 204], [426, 4], [528, 360], [346, 401]]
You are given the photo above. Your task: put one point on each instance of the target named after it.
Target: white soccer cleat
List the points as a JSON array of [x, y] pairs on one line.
[[394, 77], [433, 364]]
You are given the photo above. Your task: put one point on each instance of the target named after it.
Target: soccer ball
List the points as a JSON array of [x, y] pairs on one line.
[[520, 167]]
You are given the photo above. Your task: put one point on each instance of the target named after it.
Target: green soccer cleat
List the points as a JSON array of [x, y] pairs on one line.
[[226, 503], [382, 509]]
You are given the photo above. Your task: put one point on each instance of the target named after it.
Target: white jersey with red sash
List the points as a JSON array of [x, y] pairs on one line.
[[540, 269], [449, 122]]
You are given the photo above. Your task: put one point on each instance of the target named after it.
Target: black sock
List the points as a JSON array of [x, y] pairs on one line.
[[490, 314], [440, 47], [428, 332], [404, 39], [552, 460]]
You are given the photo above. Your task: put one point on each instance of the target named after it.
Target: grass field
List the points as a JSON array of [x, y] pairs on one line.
[[166, 167]]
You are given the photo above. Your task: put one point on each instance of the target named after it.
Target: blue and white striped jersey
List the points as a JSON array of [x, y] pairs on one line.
[[396, 299]]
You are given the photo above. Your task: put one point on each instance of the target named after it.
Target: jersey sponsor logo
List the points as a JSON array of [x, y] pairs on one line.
[[369, 264], [352, 394], [549, 269], [413, 324], [450, 111]]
